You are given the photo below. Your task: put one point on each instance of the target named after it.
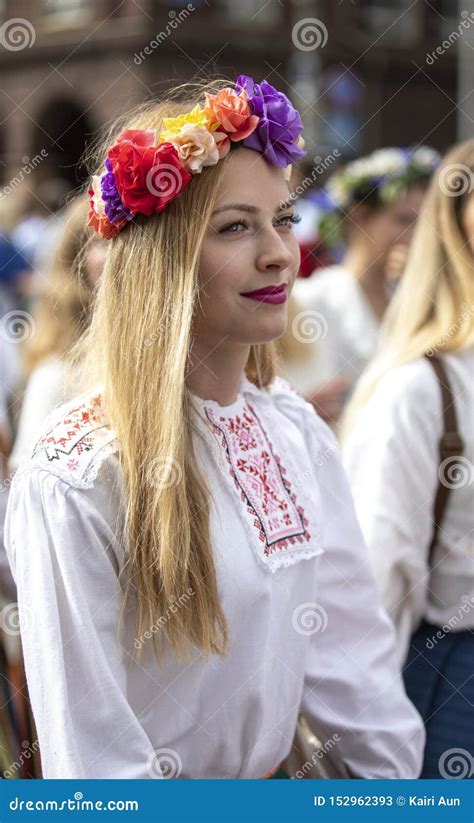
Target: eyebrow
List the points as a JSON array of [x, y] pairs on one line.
[[245, 207]]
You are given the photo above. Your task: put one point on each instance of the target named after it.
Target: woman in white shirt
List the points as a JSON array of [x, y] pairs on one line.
[[372, 206], [61, 315], [392, 433], [183, 540]]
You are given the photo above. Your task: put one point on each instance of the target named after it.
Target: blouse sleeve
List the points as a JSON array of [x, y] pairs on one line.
[[391, 457], [63, 556], [353, 686]]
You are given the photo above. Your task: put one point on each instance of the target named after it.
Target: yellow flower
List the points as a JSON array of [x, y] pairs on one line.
[[172, 125]]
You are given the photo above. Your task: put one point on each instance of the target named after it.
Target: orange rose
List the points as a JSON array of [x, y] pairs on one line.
[[231, 113]]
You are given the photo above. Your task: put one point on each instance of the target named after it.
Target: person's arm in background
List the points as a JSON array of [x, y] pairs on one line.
[[391, 457]]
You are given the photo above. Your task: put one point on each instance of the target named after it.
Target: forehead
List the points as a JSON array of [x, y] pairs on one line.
[[412, 198], [250, 179]]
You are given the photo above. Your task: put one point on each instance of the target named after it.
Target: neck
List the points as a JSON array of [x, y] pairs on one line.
[[215, 373], [370, 275], [368, 271]]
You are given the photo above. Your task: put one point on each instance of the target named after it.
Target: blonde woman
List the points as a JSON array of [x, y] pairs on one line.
[[393, 429], [183, 540], [60, 317]]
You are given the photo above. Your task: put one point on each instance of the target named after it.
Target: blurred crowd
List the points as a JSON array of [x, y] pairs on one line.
[[385, 287]]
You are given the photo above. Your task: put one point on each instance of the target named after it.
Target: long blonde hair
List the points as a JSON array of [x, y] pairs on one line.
[[137, 347], [433, 308], [64, 303]]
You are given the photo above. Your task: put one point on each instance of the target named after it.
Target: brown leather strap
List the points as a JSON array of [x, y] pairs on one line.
[[450, 446]]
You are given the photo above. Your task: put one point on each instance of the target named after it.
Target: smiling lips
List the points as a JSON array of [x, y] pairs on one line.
[[269, 294]]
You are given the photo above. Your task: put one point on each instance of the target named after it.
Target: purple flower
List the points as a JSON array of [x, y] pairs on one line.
[[113, 206], [280, 124]]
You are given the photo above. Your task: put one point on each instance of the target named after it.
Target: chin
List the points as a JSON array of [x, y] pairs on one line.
[[268, 332]]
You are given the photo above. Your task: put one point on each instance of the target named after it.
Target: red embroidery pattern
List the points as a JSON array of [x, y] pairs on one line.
[[73, 435], [261, 480]]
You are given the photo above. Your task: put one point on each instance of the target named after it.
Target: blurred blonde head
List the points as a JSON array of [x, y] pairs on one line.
[[64, 304], [433, 308], [138, 347]]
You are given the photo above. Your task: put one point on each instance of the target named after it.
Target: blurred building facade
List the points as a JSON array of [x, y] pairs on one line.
[[359, 71]]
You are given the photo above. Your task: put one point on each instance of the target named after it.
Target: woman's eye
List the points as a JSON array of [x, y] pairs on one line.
[[232, 227], [289, 220]]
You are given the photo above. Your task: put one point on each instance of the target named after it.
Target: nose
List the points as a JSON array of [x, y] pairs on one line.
[[273, 253]]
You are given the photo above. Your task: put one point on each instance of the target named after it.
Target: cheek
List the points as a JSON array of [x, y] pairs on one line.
[[388, 230], [222, 272]]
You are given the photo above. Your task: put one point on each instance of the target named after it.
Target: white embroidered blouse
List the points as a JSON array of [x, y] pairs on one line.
[[306, 630]]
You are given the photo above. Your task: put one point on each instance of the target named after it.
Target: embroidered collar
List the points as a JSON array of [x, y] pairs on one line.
[[246, 388]]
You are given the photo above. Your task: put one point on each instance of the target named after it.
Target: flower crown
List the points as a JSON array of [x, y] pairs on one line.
[[143, 174], [384, 174]]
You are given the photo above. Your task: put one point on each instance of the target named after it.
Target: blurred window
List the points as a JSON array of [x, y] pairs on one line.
[[251, 12], [393, 21], [59, 12]]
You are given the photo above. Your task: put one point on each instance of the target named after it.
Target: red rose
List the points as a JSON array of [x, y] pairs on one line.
[[147, 177]]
